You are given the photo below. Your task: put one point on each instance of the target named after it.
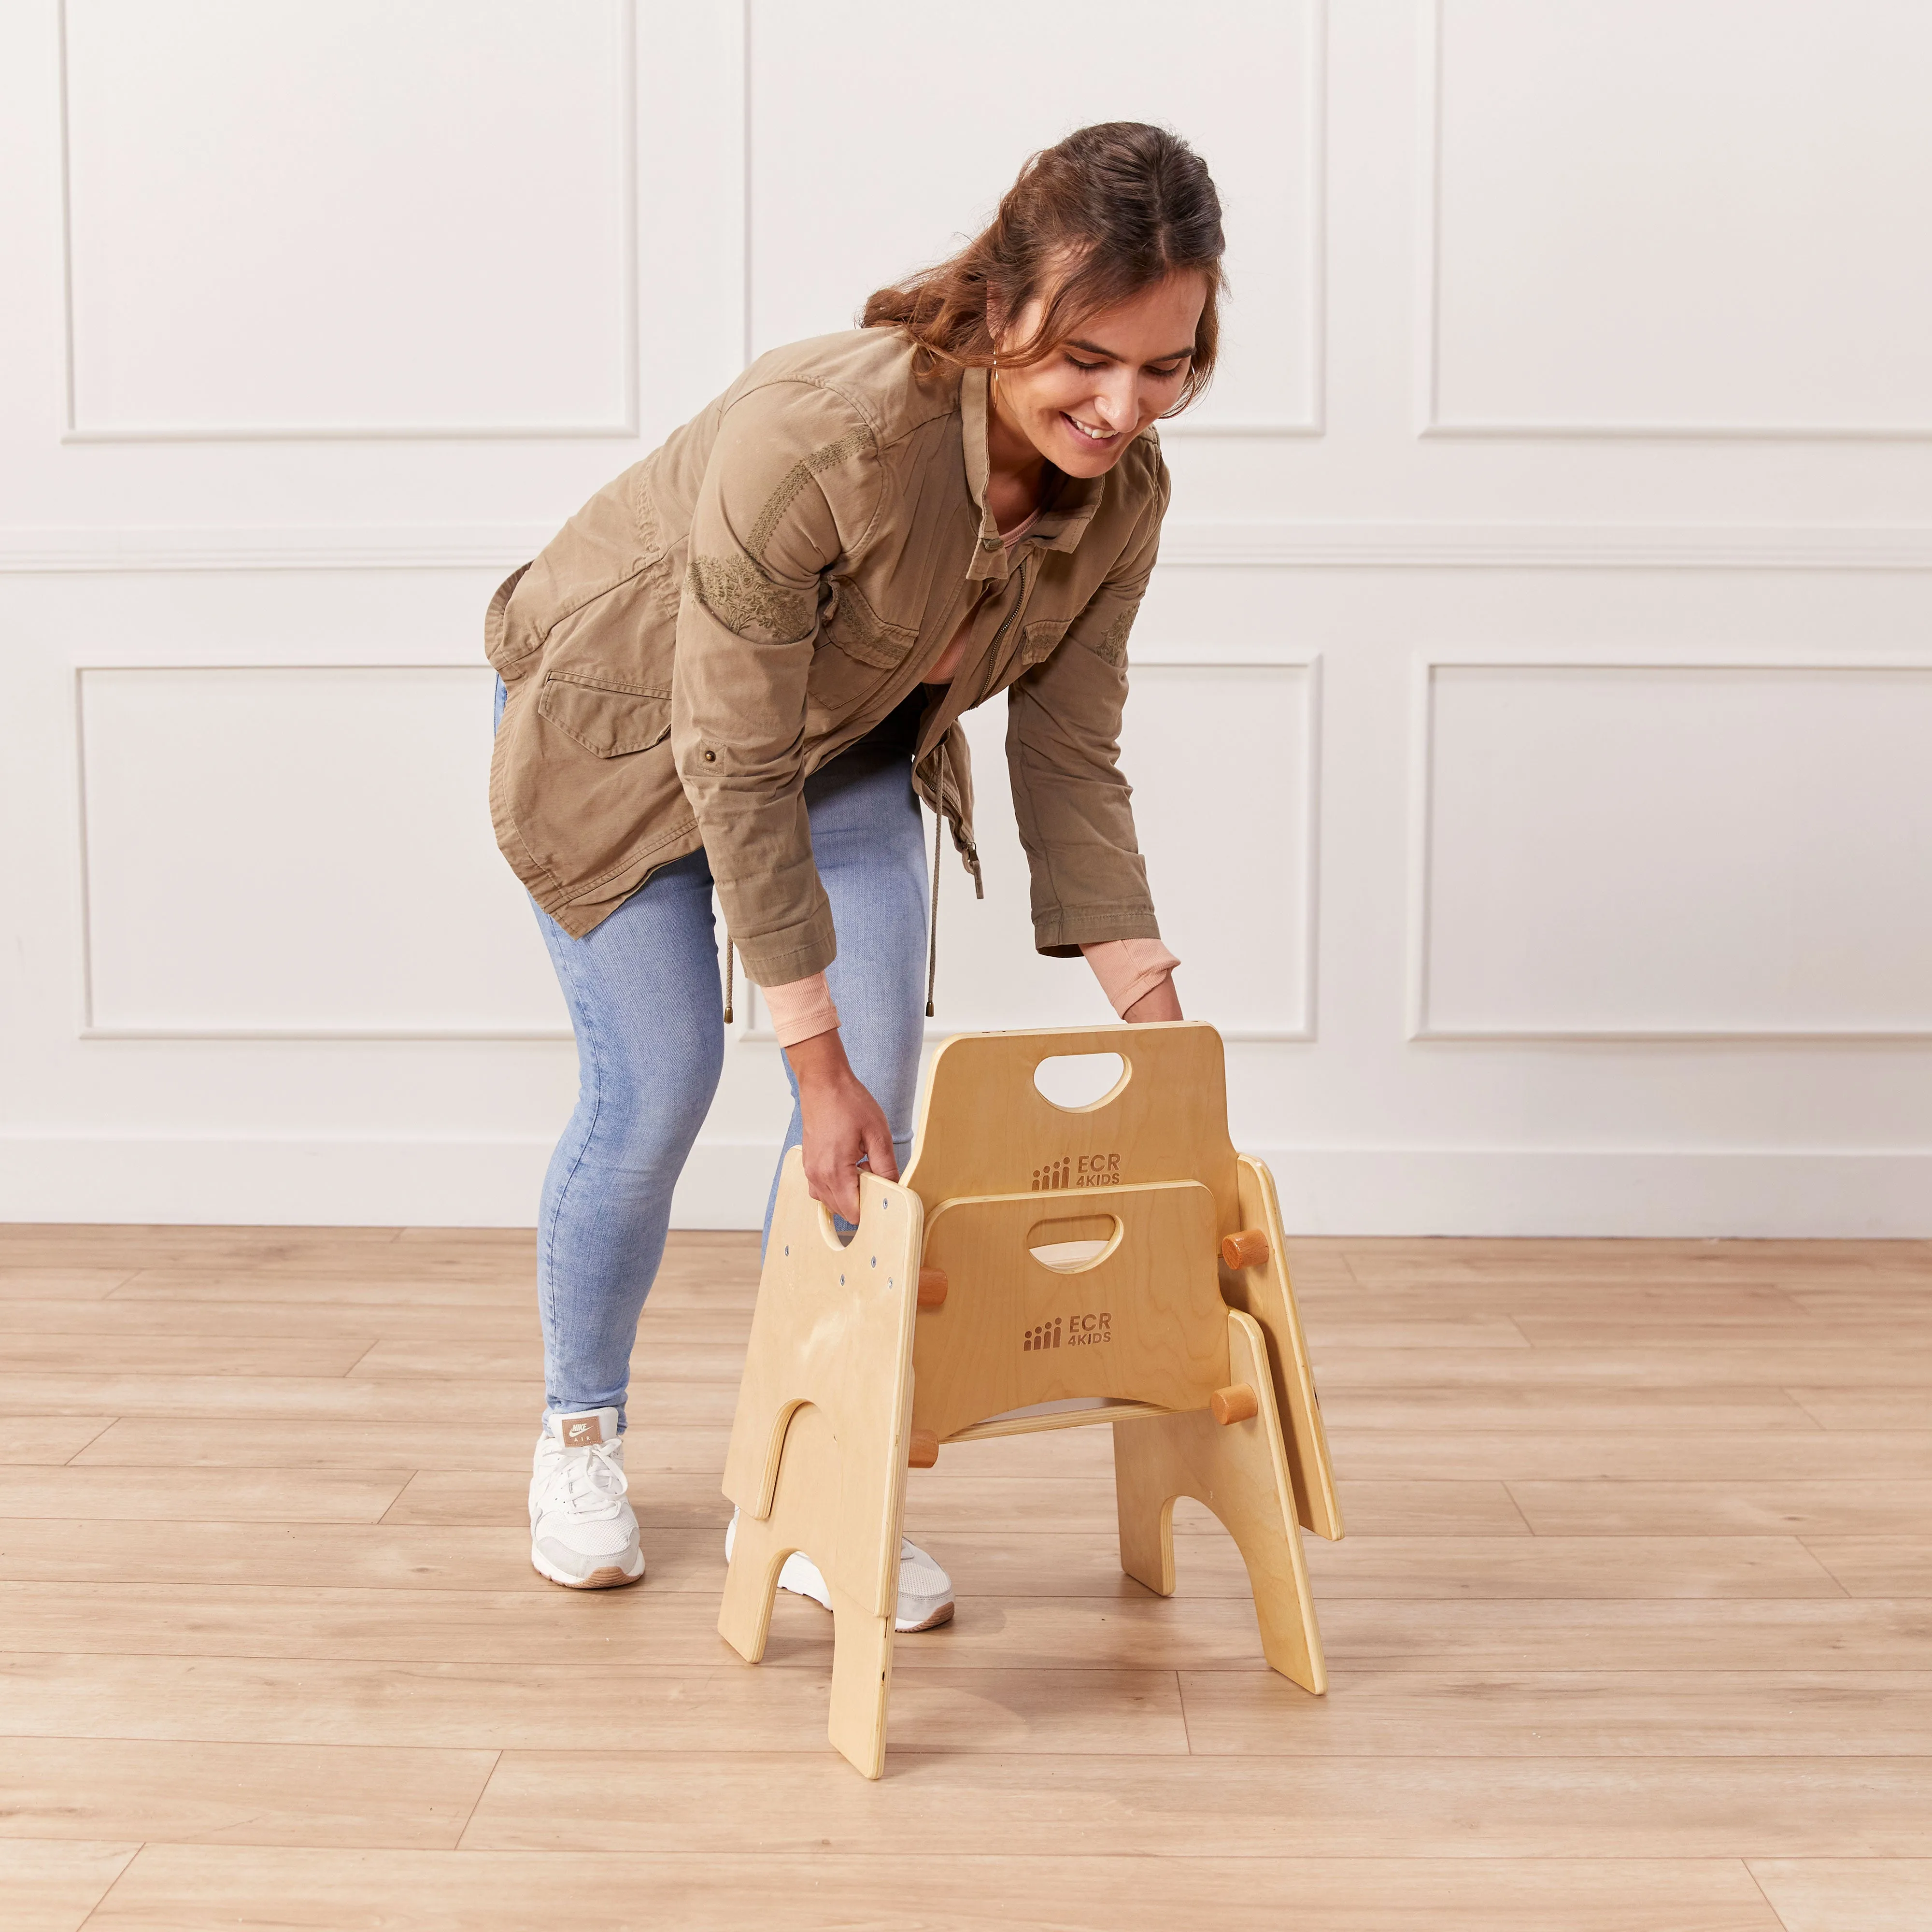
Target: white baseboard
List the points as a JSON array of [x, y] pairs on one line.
[[336, 1183], [1365, 1191]]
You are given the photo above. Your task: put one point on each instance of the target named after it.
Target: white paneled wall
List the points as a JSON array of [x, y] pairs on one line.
[[1531, 713]]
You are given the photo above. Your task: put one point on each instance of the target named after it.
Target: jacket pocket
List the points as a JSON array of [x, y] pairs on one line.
[[861, 633], [610, 719], [1039, 640]]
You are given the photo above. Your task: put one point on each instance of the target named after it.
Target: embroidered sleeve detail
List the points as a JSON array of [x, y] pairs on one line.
[[795, 479], [1111, 645], [743, 599]]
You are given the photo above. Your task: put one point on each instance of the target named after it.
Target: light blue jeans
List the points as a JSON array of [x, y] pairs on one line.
[[647, 1007]]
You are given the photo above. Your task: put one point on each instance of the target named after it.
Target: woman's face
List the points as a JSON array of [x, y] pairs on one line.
[[1088, 398]]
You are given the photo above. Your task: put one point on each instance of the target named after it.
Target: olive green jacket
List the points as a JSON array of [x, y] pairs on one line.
[[759, 592]]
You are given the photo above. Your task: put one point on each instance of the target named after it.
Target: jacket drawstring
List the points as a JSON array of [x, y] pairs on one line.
[[730, 952], [932, 931]]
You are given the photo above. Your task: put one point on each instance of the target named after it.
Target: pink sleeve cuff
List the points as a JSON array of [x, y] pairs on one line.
[[801, 1010], [1128, 969]]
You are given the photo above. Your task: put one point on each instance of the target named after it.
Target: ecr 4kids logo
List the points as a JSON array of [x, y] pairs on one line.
[[1078, 1331], [1083, 1170]]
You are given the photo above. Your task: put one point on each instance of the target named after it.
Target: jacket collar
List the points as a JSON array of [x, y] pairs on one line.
[[1059, 529]]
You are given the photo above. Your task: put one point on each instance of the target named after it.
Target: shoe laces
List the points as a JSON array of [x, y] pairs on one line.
[[590, 1481]]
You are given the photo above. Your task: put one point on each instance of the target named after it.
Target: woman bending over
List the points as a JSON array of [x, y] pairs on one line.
[[743, 665]]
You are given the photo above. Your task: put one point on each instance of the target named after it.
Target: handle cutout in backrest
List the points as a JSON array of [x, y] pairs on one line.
[[1072, 1244], [1077, 1083]]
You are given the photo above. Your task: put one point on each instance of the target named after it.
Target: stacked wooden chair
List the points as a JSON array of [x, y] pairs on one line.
[[1039, 1267]]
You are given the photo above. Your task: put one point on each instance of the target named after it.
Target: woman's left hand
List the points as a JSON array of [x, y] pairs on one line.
[[1157, 1002]]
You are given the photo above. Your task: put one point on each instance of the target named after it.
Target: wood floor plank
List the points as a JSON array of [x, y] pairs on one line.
[[59, 1284], [430, 1359], [1582, 1567], [1669, 1634], [52, 1885], [1864, 1408], [1845, 1506], [558, 1706], [193, 1441], [815, 1893], [213, 1794], [271, 1398], [1799, 1329], [1220, 1808], [1524, 1455], [1905, 1299], [1656, 1366], [170, 1888], [1641, 1299], [1847, 1895], [1569, 1714], [1631, 1408], [1877, 1566], [200, 1496], [43, 1439], [115, 1319], [943, 1503], [675, 1629], [424, 1292], [82, 1356], [75, 1550]]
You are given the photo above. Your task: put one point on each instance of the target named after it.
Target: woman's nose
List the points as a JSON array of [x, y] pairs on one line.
[[1116, 403]]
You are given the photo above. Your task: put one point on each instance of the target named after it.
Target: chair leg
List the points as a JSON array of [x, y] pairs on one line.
[[862, 1679], [1145, 1505], [1240, 1472], [751, 1589]]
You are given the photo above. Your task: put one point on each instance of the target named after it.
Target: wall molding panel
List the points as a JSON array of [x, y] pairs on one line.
[[1854, 184], [82, 426], [1426, 890], [163, 917], [1309, 418]]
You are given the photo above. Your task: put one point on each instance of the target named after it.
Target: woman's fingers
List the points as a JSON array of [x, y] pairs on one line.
[[843, 1126], [880, 1156]]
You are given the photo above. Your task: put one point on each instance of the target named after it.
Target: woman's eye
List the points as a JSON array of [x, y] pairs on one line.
[[1086, 367]]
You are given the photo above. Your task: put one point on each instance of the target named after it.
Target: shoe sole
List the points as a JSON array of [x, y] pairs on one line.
[[943, 1615], [609, 1578]]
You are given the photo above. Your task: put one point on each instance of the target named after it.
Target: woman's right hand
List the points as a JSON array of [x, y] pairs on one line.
[[844, 1127]]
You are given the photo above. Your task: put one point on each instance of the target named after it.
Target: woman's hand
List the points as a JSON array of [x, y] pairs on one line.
[[1157, 1002], [842, 1123]]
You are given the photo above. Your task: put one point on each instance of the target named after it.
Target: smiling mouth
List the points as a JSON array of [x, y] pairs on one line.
[[1094, 436]]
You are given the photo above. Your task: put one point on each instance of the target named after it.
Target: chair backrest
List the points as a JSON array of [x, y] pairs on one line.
[[985, 1128]]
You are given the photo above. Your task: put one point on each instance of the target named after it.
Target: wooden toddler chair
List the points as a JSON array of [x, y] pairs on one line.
[[1118, 1260]]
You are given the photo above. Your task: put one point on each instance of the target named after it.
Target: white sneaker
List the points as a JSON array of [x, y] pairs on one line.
[[925, 1590], [583, 1532]]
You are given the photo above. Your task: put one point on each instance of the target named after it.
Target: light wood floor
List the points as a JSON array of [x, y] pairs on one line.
[[1633, 1628]]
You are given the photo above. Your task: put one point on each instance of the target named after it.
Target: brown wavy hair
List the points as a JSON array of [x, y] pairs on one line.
[[1110, 211]]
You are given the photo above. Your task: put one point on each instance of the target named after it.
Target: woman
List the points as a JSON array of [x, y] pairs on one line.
[[743, 665]]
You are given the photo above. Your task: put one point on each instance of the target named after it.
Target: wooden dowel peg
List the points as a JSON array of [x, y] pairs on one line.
[[1237, 1404], [932, 1288], [1249, 1249], [925, 1450]]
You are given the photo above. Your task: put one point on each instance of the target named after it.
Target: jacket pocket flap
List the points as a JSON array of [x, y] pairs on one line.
[[1038, 639], [609, 720]]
